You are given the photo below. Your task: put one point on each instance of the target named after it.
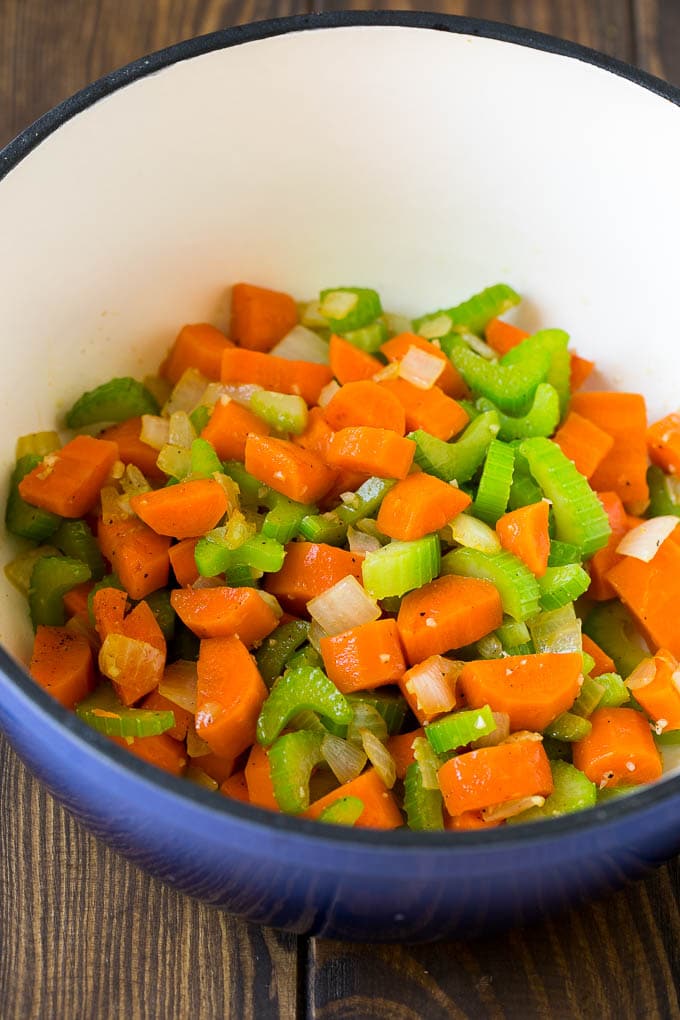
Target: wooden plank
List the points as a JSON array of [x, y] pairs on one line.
[[657, 25]]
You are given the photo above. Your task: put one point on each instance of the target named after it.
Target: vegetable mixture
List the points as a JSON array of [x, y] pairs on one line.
[[362, 569]]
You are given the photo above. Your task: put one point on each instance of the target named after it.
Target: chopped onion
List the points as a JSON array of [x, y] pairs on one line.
[[179, 683], [361, 543], [207, 582], [174, 461], [133, 481], [155, 430], [327, 393], [240, 392], [642, 675], [490, 647], [272, 602], [181, 431], [433, 684], [200, 778], [497, 736], [435, 328], [421, 368], [311, 316], [231, 490], [425, 755], [130, 661], [302, 344], [396, 323], [474, 534], [213, 393], [314, 635], [117, 471], [379, 757], [344, 605], [519, 735], [479, 346], [390, 371], [187, 393], [344, 759], [558, 630], [114, 507], [643, 542], [196, 747], [499, 812], [337, 304], [366, 717]]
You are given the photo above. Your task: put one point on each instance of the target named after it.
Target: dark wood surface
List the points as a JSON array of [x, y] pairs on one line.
[[85, 935]]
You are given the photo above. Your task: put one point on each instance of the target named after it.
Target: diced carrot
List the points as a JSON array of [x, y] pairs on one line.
[[61, 663], [183, 561], [469, 821], [380, 808], [494, 775], [364, 657], [316, 435], [76, 600], [108, 609], [185, 510], [138, 555], [660, 697], [236, 787], [289, 469], [400, 747], [580, 370], [348, 363], [160, 750], [619, 749], [431, 688], [663, 443], [229, 697], [503, 336], [221, 612], [229, 427], [199, 346], [532, 689], [447, 613], [652, 593], [67, 482], [372, 450], [259, 779], [365, 403], [217, 767], [155, 702], [131, 449], [604, 559], [603, 663], [524, 532], [260, 317], [624, 469], [450, 381], [419, 505], [430, 410], [280, 374], [140, 625], [309, 569], [583, 443]]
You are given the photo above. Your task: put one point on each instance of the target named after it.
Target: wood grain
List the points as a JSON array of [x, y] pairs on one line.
[[657, 37]]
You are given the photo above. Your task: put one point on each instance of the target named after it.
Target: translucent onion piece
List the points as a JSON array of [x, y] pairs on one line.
[[311, 316], [396, 323], [200, 778], [213, 393], [302, 344], [130, 661], [179, 683], [174, 461], [473, 534], [181, 431], [114, 507], [499, 812], [344, 605], [432, 329], [314, 635], [366, 717], [519, 735], [133, 481], [187, 393], [379, 757], [642, 543], [344, 759], [327, 393], [429, 762], [390, 371], [642, 675], [433, 684], [231, 489], [337, 304], [421, 368], [272, 602], [361, 543], [207, 582], [479, 346], [154, 431], [556, 631], [490, 647], [497, 736], [196, 747]]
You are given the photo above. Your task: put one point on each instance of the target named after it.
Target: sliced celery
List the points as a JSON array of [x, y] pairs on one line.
[[510, 387], [461, 459], [588, 663], [104, 712], [615, 693], [562, 553], [460, 728], [305, 657], [326, 528], [390, 705], [368, 338], [21, 518], [612, 627], [516, 584], [589, 699], [284, 412], [473, 314], [430, 762], [277, 649], [52, 577], [524, 491], [204, 461], [292, 758], [159, 604], [331, 528], [560, 585], [251, 490], [200, 416], [298, 689], [401, 566], [258, 552], [39, 444], [580, 518], [557, 750], [18, 571], [495, 482], [540, 420], [663, 494], [74, 538], [515, 638], [554, 343], [608, 793], [423, 807], [184, 644], [572, 791], [556, 631], [345, 811], [285, 516], [568, 727], [116, 400], [349, 308]]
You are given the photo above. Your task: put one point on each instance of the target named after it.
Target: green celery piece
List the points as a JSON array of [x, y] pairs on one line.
[[555, 342], [252, 491], [580, 518], [391, 706], [424, 808], [608, 793], [470, 407], [326, 528], [368, 338], [516, 584], [200, 416], [52, 577], [611, 626], [573, 791], [104, 712], [556, 631], [365, 717], [560, 585], [241, 576], [557, 750], [258, 551], [668, 738], [74, 538], [588, 663], [524, 490], [562, 553], [292, 758], [285, 516], [662, 499], [473, 315], [298, 689], [116, 400], [159, 604], [108, 581], [460, 728], [37, 443], [21, 518], [461, 459], [18, 571], [400, 567], [277, 649], [541, 419], [331, 528], [590, 698], [429, 761], [568, 727], [204, 461], [184, 644], [361, 312], [495, 483], [306, 657], [510, 387], [284, 412], [345, 811], [615, 692], [514, 634]]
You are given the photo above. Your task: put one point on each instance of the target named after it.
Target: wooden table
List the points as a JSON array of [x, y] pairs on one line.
[[85, 935]]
